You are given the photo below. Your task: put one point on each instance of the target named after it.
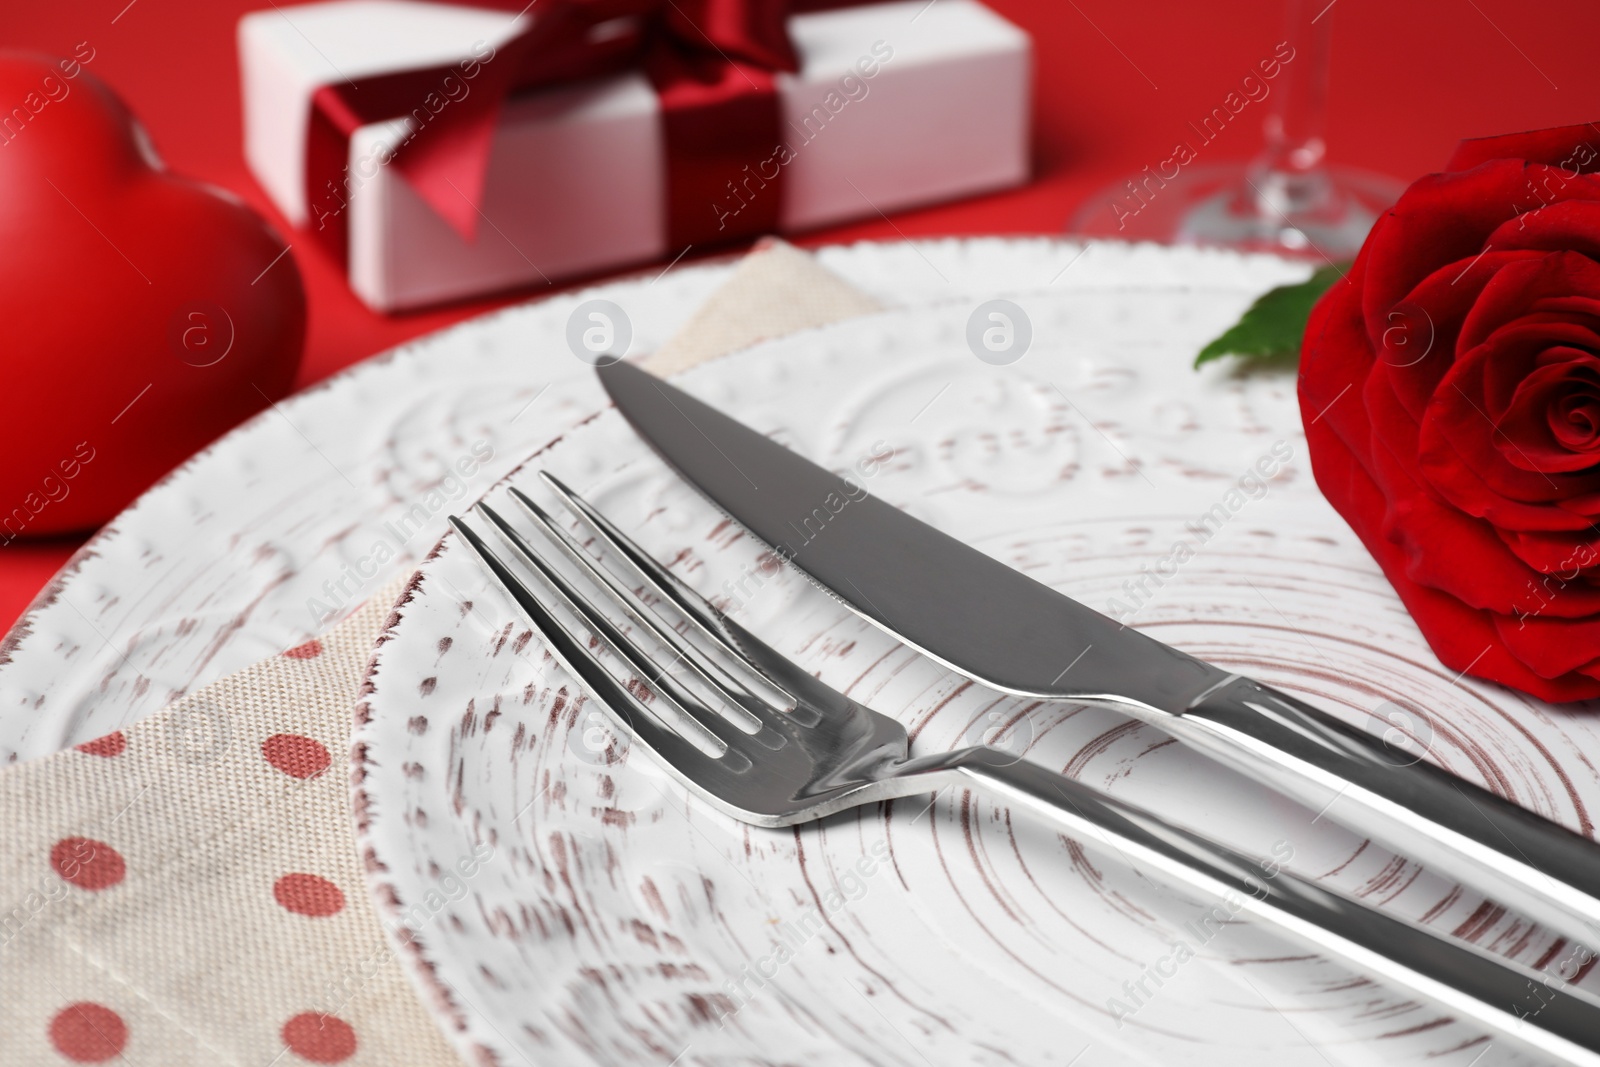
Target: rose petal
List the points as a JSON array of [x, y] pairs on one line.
[[1335, 360], [1441, 219], [1456, 554], [1546, 225], [1556, 146], [1447, 548], [1430, 318], [1528, 345], [1557, 283], [1551, 647], [1554, 553], [1458, 455], [1532, 435], [1464, 639]]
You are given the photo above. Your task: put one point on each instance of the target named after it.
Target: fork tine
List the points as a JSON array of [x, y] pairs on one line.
[[700, 613], [755, 710], [688, 703], [627, 710], [746, 649]]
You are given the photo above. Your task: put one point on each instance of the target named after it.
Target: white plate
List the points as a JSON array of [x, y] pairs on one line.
[[618, 921], [230, 558]]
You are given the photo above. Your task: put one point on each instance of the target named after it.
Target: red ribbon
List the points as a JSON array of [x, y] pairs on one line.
[[712, 63]]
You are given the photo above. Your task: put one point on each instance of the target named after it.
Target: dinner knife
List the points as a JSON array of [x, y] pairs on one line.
[[1005, 630]]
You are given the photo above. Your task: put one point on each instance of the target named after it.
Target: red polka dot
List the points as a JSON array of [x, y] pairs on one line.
[[111, 744], [310, 650], [308, 894], [294, 755], [87, 1032], [319, 1038], [87, 863]]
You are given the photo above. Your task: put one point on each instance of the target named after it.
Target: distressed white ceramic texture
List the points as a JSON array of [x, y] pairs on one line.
[[216, 567], [617, 910]]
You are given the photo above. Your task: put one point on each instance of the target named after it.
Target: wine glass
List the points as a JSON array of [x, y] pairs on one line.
[[1287, 200]]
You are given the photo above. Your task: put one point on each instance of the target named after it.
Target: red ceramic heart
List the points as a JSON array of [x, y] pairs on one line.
[[143, 313]]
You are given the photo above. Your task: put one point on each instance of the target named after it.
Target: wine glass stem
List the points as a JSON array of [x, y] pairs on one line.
[[1288, 171]]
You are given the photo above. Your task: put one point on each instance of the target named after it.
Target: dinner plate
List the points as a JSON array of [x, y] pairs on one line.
[[561, 900], [290, 521]]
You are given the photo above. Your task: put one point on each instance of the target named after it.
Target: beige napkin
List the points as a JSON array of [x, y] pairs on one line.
[[187, 891]]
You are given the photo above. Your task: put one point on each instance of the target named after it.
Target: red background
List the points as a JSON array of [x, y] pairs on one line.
[[1116, 84]]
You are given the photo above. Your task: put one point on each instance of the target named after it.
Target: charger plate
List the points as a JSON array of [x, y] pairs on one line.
[[560, 900]]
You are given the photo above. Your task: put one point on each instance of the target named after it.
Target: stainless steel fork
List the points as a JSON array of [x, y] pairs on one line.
[[762, 740]]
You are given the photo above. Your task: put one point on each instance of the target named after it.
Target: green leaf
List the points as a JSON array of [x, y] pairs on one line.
[[1272, 327]]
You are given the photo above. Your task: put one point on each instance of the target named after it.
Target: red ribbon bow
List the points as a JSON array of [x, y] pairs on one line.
[[712, 63]]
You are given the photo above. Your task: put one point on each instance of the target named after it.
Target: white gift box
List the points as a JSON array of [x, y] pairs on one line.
[[576, 175]]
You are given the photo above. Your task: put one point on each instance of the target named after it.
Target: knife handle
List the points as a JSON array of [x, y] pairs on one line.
[[1512, 1002], [1517, 858]]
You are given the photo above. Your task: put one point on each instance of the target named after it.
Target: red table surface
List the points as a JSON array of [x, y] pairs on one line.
[[1115, 86]]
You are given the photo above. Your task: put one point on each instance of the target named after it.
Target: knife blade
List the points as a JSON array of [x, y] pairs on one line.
[[1005, 630]]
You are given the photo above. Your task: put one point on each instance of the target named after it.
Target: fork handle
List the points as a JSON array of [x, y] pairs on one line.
[[1504, 998]]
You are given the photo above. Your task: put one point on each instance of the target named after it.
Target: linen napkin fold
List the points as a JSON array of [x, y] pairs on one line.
[[188, 891]]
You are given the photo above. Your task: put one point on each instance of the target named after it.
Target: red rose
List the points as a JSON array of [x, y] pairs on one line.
[[1450, 388]]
